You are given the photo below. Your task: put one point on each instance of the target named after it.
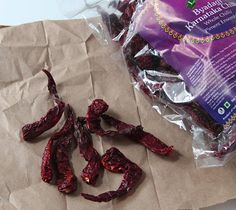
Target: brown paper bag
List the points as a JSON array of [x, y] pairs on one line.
[[83, 71]]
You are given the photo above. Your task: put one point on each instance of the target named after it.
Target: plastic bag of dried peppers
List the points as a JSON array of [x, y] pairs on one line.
[[181, 54]]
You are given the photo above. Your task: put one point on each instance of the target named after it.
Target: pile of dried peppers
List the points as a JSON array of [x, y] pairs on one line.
[[145, 63], [56, 167]]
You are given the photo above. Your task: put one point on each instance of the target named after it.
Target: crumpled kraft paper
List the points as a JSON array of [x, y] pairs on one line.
[[84, 70]]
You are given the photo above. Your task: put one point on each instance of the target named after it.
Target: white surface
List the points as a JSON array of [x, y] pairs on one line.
[[14, 12]]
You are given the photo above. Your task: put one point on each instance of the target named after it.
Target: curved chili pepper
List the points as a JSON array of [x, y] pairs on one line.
[[91, 171], [136, 133], [52, 87], [93, 121], [33, 130], [115, 161], [65, 179], [48, 165]]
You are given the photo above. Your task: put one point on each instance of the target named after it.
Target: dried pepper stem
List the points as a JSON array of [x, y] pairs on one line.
[[136, 133]]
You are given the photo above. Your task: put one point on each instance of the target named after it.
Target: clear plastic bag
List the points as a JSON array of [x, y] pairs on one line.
[[182, 55]]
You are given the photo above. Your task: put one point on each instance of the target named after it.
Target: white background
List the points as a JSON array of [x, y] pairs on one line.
[[14, 12]]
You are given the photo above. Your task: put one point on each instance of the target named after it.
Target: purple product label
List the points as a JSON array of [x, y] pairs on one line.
[[200, 43]]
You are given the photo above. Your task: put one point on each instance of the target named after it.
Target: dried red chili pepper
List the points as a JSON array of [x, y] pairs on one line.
[[122, 5], [150, 61], [33, 130], [134, 46], [66, 180], [137, 63], [141, 56], [113, 160], [145, 62], [136, 133], [202, 118], [134, 72], [127, 14], [127, 8], [112, 23], [93, 121], [52, 87], [91, 171], [48, 165]]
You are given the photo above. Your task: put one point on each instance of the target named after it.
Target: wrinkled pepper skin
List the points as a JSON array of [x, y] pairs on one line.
[[48, 170], [136, 133], [33, 130], [113, 160], [66, 180], [93, 118], [91, 172]]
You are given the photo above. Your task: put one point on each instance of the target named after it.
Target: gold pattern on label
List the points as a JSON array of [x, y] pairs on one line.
[[153, 4], [230, 121]]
